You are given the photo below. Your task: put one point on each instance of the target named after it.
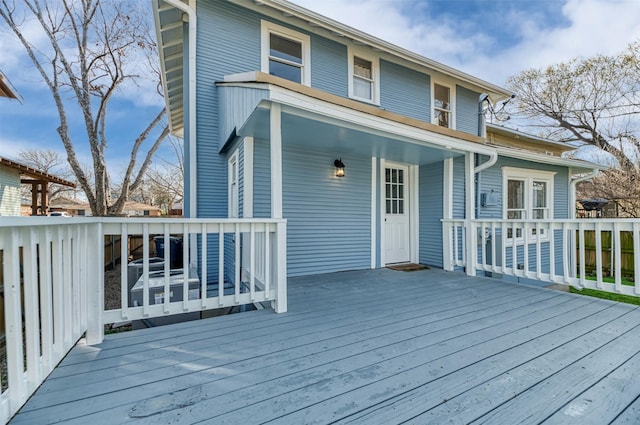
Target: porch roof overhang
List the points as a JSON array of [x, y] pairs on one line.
[[318, 120], [577, 166]]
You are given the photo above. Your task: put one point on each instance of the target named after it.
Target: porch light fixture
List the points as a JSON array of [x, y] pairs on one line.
[[339, 167]]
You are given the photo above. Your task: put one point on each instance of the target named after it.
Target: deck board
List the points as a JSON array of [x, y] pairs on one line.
[[375, 346]]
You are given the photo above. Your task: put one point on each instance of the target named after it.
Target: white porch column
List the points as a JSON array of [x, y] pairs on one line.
[[470, 212], [447, 213], [247, 207], [276, 160]]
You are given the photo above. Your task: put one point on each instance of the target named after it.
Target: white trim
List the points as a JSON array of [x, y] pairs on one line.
[[548, 159], [374, 211], [470, 211], [275, 144], [412, 236], [447, 190], [319, 110], [375, 74], [233, 190], [247, 198], [414, 219], [572, 189], [381, 203], [267, 28], [452, 101]]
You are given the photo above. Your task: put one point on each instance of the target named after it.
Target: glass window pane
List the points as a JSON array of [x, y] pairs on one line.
[[282, 70], [441, 96], [539, 194], [401, 207], [515, 194], [285, 48], [401, 192], [400, 176], [442, 118], [388, 206], [362, 88], [514, 215], [388, 187], [362, 67], [394, 191], [394, 176], [395, 207], [387, 175], [539, 214]]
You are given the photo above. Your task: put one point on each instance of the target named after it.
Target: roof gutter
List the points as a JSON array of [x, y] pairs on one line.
[[191, 15], [572, 189]]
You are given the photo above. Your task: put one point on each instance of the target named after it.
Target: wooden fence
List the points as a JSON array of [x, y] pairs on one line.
[[608, 254]]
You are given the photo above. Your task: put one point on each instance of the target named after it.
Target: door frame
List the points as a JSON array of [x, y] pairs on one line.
[[413, 209]]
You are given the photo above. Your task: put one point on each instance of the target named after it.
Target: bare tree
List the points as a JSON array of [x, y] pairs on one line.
[[165, 181], [593, 101], [51, 162], [590, 102], [94, 48]]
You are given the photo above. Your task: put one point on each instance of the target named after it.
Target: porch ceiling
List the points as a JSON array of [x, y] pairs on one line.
[[319, 132]]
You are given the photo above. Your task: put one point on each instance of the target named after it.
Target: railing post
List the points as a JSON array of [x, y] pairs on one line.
[[281, 268], [95, 290], [447, 264], [472, 249]]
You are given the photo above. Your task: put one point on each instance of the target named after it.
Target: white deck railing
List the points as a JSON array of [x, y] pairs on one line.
[[52, 270], [594, 254]]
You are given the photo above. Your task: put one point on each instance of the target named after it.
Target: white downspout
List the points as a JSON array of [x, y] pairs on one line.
[[191, 13], [493, 158], [572, 190]]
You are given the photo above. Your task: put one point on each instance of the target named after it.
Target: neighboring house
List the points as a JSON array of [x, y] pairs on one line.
[[12, 175], [131, 209], [364, 147], [7, 89]]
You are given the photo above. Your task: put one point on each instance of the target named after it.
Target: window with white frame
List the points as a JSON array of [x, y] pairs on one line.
[[364, 82], [528, 195], [442, 115], [286, 53], [233, 186]]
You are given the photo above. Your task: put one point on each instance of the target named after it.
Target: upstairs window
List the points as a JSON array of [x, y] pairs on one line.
[[363, 78], [285, 53], [442, 105]]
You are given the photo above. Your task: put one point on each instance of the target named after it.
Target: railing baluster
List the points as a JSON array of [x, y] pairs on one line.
[[166, 243], [31, 320], [566, 258], [538, 251], [636, 257], [67, 288], [124, 276], [221, 264], [617, 250], [494, 260], [552, 252], [582, 257], [267, 260], [236, 264], [186, 266], [46, 298], [514, 249], [598, 236], [203, 272], [252, 255], [13, 314], [145, 269], [525, 248]]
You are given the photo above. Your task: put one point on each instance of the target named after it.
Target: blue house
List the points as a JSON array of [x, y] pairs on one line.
[[374, 155]]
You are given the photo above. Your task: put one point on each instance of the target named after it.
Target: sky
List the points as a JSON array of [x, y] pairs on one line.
[[490, 39]]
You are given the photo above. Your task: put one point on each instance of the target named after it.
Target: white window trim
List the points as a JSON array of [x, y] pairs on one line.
[[452, 101], [375, 73], [528, 176], [268, 28], [231, 190]]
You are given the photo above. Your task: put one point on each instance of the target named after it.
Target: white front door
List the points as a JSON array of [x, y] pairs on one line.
[[396, 214]]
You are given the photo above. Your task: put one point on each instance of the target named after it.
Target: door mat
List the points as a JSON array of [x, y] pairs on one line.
[[408, 267]]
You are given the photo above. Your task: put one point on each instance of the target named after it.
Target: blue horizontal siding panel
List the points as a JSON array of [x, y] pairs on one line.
[[459, 200], [328, 218], [329, 70], [261, 179], [405, 91], [236, 104], [431, 213], [467, 110]]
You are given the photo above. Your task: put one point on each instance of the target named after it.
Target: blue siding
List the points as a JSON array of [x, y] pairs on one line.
[[466, 110], [261, 179], [236, 104], [329, 218], [458, 187], [405, 91], [430, 204], [491, 179], [329, 70]]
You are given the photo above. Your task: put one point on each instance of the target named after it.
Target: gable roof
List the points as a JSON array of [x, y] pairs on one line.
[[169, 22]]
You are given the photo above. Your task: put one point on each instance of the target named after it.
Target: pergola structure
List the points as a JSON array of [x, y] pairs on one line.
[[39, 182]]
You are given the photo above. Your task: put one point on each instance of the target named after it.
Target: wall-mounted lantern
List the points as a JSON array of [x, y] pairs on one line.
[[339, 167]]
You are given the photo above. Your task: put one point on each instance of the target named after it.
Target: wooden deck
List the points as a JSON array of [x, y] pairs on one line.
[[369, 347]]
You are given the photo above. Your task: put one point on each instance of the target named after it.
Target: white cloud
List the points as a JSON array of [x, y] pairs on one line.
[[594, 26]]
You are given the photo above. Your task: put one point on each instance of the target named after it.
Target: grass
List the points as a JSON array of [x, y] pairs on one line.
[[606, 295], [611, 279]]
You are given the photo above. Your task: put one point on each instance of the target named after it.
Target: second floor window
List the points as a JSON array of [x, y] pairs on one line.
[[285, 53], [362, 78], [442, 105]]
